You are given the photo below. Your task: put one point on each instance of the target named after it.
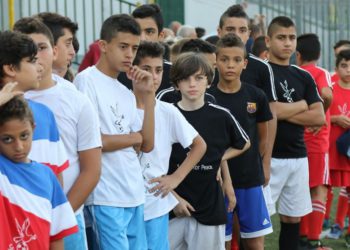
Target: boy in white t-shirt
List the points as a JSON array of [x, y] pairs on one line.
[[116, 204], [170, 127], [78, 125]]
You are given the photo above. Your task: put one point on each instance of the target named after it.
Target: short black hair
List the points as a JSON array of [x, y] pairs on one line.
[[233, 11], [212, 39], [280, 21], [119, 23], [56, 23], [31, 25], [197, 45], [150, 10], [16, 108], [309, 47], [341, 43], [189, 63], [148, 49], [200, 31], [14, 46], [231, 40], [344, 54], [259, 46]]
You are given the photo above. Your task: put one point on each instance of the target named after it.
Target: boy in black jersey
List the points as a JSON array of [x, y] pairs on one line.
[[198, 222], [251, 108], [289, 166]]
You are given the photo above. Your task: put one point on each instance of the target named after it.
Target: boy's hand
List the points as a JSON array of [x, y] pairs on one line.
[[343, 121], [219, 177], [7, 92], [142, 80], [230, 194], [166, 184], [183, 208]]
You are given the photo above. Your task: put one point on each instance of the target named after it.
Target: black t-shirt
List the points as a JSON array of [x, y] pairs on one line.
[[292, 84], [250, 106], [259, 73], [165, 80], [171, 95], [200, 188]]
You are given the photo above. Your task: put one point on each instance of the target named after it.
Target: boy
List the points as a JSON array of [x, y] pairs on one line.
[[259, 48], [198, 222], [170, 127], [246, 170], [150, 19], [340, 122], [117, 201], [77, 122], [289, 166], [171, 95], [19, 50], [317, 142], [34, 211], [63, 31]]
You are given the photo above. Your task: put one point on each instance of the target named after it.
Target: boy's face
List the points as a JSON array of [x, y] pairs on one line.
[[282, 43], [65, 51], [16, 140], [149, 29], [45, 54], [235, 25], [193, 88], [343, 70], [120, 51], [230, 62], [154, 65]]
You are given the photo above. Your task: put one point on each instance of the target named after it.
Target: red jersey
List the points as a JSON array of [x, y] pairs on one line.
[[91, 57], [318, 143], [340, 106], [334, 78]]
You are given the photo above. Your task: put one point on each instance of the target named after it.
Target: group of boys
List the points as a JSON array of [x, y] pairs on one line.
[[152, 174]]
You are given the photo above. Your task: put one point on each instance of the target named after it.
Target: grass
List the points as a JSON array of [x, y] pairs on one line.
[[271, 240]]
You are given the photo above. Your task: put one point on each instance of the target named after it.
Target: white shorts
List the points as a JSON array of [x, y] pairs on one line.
[[268, 199], [186, 233], [289, 185]]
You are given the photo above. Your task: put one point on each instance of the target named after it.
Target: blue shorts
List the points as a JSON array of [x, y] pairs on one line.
[[157, 233], [77, 241], [121, 228], [253, 217]]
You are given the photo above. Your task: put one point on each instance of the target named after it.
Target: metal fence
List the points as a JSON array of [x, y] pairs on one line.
[[329, 19], [89, 14]]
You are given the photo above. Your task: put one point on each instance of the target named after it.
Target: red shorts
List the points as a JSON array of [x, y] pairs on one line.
[[340, 178], [318, 169]]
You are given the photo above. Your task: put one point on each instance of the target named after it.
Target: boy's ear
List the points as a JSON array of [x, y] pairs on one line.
[[218, 31], [55, 52], [267, 41], [245, 63], [161, 36], [102, 44], [9, 70]]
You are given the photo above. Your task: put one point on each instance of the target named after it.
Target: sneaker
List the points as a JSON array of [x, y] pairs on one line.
[[317, 246], [335, 232], [326, 224], [347, 240]]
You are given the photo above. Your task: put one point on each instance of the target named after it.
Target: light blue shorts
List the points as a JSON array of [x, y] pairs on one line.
[[157, 233], [121, 228], [254, 219], [77, 241]]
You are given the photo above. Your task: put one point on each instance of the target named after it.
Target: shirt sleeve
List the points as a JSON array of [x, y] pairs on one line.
[[237, 134], [83, 84], [323, 80], [311, 92], [263, 113], [267, 81]]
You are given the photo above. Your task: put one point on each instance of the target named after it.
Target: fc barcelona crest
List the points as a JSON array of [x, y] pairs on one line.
[[251, 107]]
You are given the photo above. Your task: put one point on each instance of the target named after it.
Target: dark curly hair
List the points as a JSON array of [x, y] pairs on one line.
[[16, 108]]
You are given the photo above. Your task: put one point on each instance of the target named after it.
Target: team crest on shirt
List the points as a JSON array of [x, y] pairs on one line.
[[344, 109], [118, 118], [251, 107], [24, 237], [287, 92]]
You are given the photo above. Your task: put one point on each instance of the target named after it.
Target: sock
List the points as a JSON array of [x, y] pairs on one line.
[[289, 236], [316, 220], [304, 226], [235, 242], [329, 203], [235, 234], [342, 208]]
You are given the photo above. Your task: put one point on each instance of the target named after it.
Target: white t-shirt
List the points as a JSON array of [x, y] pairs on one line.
[[77, 123], [121, 183], [170, 127]]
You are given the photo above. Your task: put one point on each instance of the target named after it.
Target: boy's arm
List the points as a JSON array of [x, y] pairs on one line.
[[90, 170], [314, 116], [60, 178], [57, 245], [287, 110], [263, 147], [227, 186], [115, 142], [183, 208], [169, 182], [341, 120], [327, 96], [233, 152]]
